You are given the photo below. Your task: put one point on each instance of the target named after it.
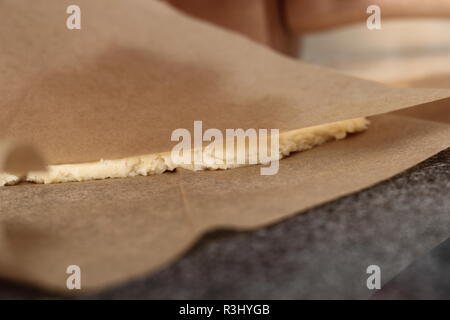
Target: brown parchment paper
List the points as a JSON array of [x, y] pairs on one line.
[[138, 70], [118, 87]]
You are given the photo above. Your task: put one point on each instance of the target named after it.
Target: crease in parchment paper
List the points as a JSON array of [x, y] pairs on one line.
[[185, 200]]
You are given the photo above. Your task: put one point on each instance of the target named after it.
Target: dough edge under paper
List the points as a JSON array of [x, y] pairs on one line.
[[289, 141]]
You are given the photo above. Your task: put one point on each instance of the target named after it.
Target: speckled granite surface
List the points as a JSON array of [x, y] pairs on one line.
[[322, 253]]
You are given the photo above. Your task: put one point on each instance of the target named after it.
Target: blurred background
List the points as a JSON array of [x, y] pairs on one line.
[[406, 50], [412, 46]]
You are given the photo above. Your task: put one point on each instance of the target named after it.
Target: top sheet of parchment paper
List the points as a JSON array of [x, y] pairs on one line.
[[137, 70]]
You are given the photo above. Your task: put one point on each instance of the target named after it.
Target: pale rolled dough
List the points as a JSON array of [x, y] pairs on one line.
[[290, 141]]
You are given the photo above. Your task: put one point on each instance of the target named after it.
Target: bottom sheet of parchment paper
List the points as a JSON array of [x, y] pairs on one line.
[[116, 230]]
